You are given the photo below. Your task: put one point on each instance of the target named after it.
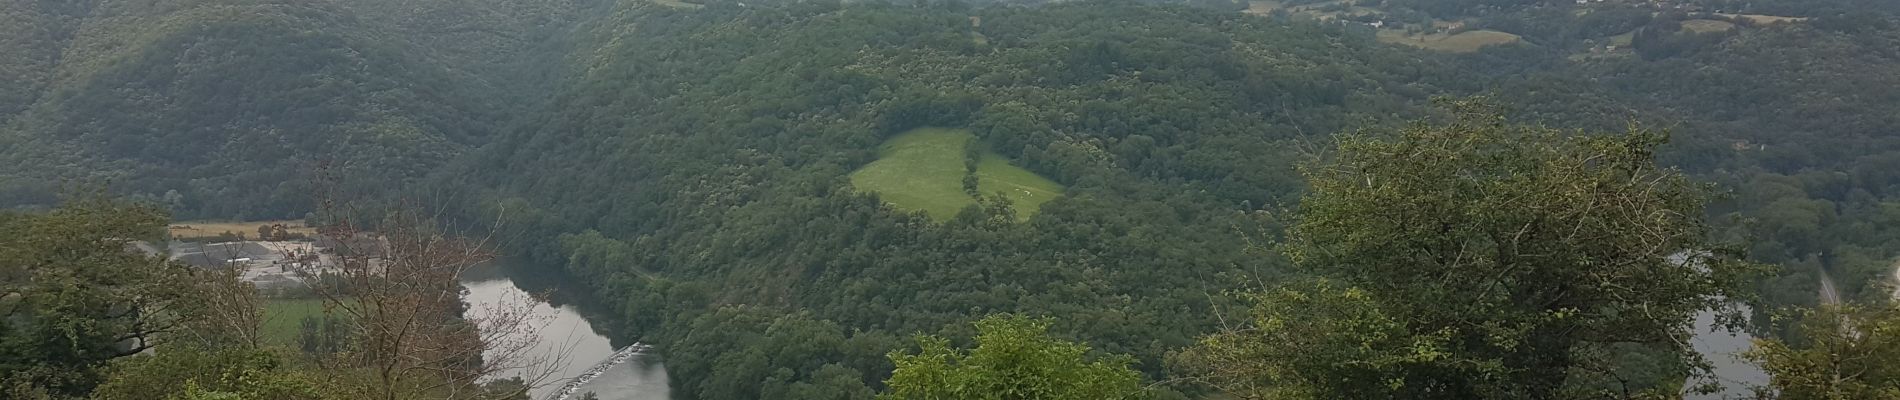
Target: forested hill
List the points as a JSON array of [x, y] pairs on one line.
[[702, 182], [703, 154], [719, 173], [226, 107]]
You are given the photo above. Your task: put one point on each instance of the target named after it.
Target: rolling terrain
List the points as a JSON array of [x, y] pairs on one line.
[[775, 192]]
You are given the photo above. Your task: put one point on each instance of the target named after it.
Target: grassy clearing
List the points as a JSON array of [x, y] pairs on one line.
[[1465, 42], [679, 4], [1623, 40], [920, 170], [1315, 10], [1027, 190], [212, 229], [923, 170], [1765, 19], [283, 318], [1263, 7], [1706, 25]]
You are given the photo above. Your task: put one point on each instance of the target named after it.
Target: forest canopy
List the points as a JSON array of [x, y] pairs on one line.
[[710, 170]]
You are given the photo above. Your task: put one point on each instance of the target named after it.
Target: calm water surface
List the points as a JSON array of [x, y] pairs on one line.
[[1723, 349], [566, 331]]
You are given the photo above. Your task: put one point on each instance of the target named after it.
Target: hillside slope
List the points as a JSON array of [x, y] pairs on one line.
[[696, 173], [226, 108]]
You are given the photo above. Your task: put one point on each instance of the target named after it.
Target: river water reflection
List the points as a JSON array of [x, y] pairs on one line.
[[1723, 350], [567, 331]]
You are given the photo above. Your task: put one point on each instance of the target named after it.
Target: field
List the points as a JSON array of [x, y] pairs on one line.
[[1706, 25], [1624, 40], [1465, 42], [1262, 7], [1764, 19], [1315, 10], [1026, 189], [919, 170], [679, 4], [282, 318], [923, 170], [211, 229]]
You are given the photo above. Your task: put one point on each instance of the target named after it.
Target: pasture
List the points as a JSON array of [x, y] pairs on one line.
[[1764, 19], [1464, 42], [923, 170], [679, 4], [186, 230], [283, 319], [919, 170], [1025, 189], [1706, 25]]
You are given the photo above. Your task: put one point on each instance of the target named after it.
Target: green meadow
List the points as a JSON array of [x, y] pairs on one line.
[[923, 170], [1027, 190], [283, 318], [1464, 42]]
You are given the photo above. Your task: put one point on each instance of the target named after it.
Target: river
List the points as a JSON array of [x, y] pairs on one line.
[[567, 334], [1723, 350]]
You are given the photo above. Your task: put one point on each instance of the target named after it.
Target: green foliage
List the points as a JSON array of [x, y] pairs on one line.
[[75, 293], [231, 105], [766, 356], [1014, 358], [1482, 258], [1312, 342], [720, 175], [1837, 353], [190, 373], [692, 165]]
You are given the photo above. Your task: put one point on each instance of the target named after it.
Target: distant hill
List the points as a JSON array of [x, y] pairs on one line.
[[226, 108]]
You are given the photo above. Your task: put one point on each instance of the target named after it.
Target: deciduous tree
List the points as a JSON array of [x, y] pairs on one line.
[[1014, 359], [1480, 260], [1840, 353], [75, 293]]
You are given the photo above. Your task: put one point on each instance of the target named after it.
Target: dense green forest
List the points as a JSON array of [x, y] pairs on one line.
[[692, 162], [226, 108]]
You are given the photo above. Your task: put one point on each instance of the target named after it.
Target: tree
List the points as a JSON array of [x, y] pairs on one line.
[[1839, 353], [1014, 359], [75, 294], [401, 303], [1503, 253], [231, 314], [1316, 340], [191, 372]]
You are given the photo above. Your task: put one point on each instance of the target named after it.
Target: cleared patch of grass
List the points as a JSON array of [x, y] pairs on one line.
[[679, 4], [185, 230], [1707, 25], [283, 319], [1464, 42], [1025, 189], [920, 170], [1263, 7], [923, 170], [1623, 40], [1765, 19]]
